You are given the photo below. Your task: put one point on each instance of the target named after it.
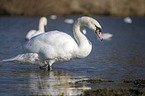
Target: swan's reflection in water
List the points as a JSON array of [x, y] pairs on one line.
[[56, 83]]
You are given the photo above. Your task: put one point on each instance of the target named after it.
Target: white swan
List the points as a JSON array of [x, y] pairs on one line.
[[56, 46], [53, 17], [69, 21], [127, 20], [107, 36], [42, 26]]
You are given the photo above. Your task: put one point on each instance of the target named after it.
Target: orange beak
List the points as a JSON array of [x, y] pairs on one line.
[[99, 34]]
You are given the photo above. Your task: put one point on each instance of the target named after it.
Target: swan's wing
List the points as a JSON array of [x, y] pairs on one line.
[[36, 33], [30, 34], [51, 44]]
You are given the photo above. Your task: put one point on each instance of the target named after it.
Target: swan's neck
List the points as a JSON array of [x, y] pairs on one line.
[[41, 26], [84, 45]]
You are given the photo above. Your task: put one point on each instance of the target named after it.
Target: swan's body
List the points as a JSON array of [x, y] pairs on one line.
[[53, 17], [42, 25], [69, 21], [127, 20], [57, 46]]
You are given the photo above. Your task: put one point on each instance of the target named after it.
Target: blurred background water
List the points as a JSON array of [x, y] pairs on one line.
[[122, 57]]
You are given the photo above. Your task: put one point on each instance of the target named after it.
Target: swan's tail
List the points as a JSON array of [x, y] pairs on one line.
[[12, 59], [28, 57], [8, 60]]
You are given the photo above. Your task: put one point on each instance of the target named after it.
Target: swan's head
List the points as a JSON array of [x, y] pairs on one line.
[[92, 24]]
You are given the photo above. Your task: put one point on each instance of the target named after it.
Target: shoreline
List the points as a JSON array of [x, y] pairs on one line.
[[67, 8]]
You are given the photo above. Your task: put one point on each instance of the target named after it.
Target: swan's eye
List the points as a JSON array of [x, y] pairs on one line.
[[97, 28]]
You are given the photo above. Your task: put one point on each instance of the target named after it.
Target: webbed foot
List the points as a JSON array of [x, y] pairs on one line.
[[43, 67], [47, 67]]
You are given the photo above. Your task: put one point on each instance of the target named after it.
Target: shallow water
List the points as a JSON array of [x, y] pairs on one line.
[[120, 58]]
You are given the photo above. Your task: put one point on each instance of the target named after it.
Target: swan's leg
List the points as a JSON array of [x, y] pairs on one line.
[[49, 68], [50, 63]]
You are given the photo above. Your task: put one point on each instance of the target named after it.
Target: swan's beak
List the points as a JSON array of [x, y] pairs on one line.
[[99, 34]]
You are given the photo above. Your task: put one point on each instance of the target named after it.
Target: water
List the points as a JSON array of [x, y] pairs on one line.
[[120, 58]]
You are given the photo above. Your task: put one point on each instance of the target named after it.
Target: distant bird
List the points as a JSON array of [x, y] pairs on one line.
[[127, 20], [53, 17], [107, 36], [69, 21], [42, 26], [57, 46]]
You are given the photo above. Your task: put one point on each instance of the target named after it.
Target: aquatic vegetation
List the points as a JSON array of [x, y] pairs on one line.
[[94, 81], [140, 83], [115, 92]]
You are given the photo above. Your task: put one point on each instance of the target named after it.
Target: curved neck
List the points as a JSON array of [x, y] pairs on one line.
[[41, 26], [84, 45]]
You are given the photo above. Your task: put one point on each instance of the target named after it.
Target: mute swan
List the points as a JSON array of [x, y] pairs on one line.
[[42, 24], [53, 17], [127, 20], [107, 36], [69, 21], [56, 46]]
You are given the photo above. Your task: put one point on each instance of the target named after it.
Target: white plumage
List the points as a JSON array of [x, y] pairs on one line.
[[69, 21], [56, 46], [42, 25], [127, 20]]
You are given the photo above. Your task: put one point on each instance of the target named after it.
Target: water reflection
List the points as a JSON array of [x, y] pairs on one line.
[[55, 83]]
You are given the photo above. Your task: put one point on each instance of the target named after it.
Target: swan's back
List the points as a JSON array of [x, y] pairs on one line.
[[32, 33], [51, 44]]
